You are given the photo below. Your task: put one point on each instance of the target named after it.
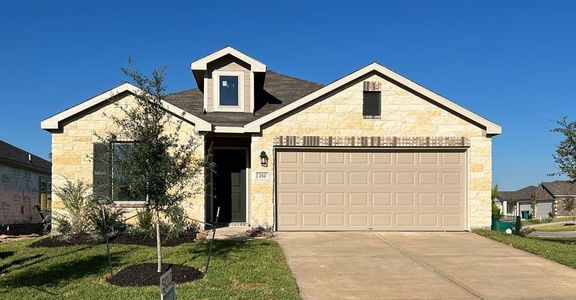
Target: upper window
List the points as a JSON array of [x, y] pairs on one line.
[[229, 90], [371, 104]]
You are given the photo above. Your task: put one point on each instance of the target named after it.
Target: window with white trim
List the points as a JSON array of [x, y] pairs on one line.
[[228, 90]]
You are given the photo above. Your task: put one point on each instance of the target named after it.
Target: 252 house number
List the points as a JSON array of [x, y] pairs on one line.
[[261, 175]]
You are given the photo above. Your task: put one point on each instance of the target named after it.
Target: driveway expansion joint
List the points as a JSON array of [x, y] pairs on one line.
[[428, 266]]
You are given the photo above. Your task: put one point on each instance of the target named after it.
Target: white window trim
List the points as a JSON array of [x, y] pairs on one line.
[[216, 86]]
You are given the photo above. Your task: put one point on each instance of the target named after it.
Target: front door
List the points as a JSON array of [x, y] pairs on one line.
[[229, 185]]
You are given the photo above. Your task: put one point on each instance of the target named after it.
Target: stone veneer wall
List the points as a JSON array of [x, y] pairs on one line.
[[72, 150], [404, 114]]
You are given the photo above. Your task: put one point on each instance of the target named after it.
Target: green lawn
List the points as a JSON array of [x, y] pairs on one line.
[[239, 270], [562, 251], [538, 221], [556, 228]]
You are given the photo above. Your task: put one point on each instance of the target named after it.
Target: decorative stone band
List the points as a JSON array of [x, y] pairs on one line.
[[370, 141]]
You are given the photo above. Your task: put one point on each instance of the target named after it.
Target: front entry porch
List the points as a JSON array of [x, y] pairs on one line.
[[228, 183]]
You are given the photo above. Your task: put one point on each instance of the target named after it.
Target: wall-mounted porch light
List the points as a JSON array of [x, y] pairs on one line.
[[263, 159]]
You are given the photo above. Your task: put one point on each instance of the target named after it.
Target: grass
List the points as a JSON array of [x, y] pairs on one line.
[[238, 270], [556, 228], [562, 251], [538, 221]]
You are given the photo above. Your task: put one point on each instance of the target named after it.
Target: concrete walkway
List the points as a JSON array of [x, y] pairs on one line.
[[355, 265]]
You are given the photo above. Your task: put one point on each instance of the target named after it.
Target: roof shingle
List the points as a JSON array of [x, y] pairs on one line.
[[15, 157], [279, 91]]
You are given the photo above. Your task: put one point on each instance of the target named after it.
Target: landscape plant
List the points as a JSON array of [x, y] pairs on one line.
[[160, 165], [75, 196], [569, 204]]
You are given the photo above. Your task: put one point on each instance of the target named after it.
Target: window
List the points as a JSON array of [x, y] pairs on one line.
[[229, 90], [108, 182], [371, 104]]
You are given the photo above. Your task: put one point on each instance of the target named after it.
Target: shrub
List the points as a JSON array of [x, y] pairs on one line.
[[495, 210], [113, 222], [178, 224], [145, 220], [76, 199]]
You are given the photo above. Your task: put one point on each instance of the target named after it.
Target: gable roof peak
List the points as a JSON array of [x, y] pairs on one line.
[[202, 63]]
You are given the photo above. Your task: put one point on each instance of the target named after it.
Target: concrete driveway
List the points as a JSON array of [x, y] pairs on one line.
[[341, 265]]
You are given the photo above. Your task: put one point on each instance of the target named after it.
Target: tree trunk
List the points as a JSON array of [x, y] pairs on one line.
[[158, 243]]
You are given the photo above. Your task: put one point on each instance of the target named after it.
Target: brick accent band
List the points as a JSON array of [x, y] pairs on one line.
[[370, 141]]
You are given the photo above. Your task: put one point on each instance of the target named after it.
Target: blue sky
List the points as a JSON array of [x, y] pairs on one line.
[[513, 62]]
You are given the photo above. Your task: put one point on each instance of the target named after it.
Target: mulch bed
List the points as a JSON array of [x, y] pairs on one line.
[[145, 275], [149, 240]]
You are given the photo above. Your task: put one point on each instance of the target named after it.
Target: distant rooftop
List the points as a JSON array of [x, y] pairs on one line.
[[18, 158]]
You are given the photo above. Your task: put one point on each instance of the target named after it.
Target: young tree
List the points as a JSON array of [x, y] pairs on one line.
[[565, 158], [565, 154], [533, 204], [569, 204], [157, 163]]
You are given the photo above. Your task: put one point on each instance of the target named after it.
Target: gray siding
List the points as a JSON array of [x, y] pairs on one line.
[[19, 193]]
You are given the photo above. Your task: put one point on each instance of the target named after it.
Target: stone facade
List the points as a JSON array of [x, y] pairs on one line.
[[406, 120], [72, 150], [403, 114]]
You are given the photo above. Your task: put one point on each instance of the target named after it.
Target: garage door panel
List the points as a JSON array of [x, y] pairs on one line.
[[363, 190]]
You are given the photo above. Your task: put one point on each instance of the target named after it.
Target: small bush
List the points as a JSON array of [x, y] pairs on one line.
[[76, 199], [111, 223], [63, 226], [495, 210], [145, 220]]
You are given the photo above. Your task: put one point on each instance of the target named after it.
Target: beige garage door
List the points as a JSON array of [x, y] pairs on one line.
[[363, 190]]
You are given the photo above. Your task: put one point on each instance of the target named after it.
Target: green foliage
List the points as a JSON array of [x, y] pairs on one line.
[[145, 220], [495, 192], [161, 163], [570, 206], [62, 225], [511, 205], [565, 154], [533, 204], [178, 224], [77, 205], [495, 210], [111, 223]]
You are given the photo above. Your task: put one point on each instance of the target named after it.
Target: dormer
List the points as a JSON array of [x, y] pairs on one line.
[[229, 80]]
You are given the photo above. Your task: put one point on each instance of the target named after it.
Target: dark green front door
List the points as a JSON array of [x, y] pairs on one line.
[[229, 186]]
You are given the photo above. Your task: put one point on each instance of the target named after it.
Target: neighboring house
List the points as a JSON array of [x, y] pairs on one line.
[[548, 195], [556, 192], [369, 151], [522, 201], [24, 184]]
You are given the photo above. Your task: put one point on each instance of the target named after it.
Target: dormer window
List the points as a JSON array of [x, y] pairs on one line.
[[228, 90]]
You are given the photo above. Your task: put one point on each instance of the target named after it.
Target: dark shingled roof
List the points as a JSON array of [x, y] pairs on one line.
[[279, 91], [15, 157], [519, 195], [560, 187]]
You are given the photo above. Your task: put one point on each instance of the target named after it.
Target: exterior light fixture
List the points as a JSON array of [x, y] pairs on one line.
[[263, 159]]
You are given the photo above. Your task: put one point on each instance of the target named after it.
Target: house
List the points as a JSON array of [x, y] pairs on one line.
[[521, 200], [370, 151], [548, 196], [556, 192], [24, 185]]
